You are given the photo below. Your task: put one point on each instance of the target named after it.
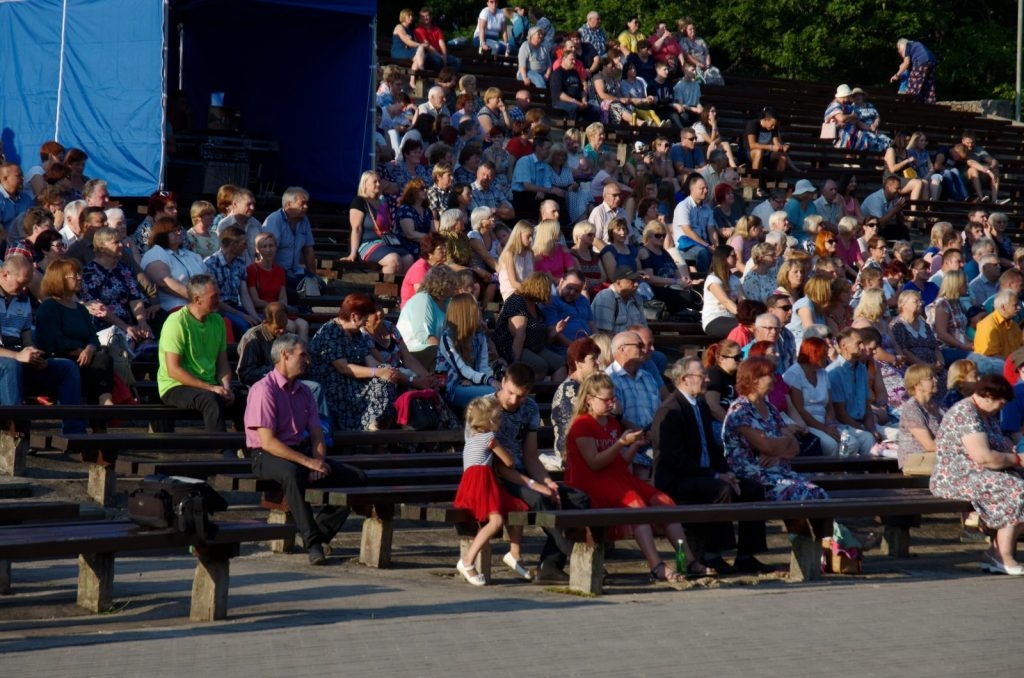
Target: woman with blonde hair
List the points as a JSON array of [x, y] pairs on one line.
[[405, 46], [870, 313], [366, 240], [950, 324], [522, 335], [549, 254], [759, 282], [792, 275], [493, 112], [919, 421], [666, 278], [749, 231], [598, 459], [588, 261], [462, 355], [812, 307], [516, 260]]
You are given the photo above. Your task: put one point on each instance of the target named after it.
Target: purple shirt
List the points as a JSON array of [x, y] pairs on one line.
[[289, 411]]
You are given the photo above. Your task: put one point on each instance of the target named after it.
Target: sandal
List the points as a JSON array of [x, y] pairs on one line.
[[475, 579], [661, 573]]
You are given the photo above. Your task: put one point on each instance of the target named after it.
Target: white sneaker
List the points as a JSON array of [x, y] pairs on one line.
[[551, 461], [514, 565]]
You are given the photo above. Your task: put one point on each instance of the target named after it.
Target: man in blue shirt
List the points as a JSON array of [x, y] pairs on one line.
[[569, 303], [848, 383], [686, 156], [294, 234], [13, 200], [692, 224]]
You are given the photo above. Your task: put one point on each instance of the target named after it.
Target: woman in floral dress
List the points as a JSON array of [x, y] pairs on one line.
[[344, 366], [975, 461], [757, 443]]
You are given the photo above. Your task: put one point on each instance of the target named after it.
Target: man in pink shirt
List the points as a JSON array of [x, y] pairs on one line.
[[284, 437]]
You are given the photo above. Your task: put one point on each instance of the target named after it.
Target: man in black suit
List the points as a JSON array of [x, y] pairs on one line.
[[690, 467]]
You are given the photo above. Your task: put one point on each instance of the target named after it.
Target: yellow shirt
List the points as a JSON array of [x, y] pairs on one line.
[[630, 42], [997, 336]]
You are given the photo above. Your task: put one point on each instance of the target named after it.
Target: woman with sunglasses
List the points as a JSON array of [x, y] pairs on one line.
[[667, 279], [721, 361]]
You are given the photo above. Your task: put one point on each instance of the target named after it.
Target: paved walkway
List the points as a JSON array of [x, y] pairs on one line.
[[346, 620]]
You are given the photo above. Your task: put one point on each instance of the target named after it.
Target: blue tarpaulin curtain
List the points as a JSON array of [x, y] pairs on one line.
[[88, 73]]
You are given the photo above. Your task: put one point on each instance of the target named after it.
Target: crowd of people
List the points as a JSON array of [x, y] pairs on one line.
[[827, 338]]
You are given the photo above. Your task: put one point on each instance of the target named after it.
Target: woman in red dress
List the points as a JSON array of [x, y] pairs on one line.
[[598, 462]]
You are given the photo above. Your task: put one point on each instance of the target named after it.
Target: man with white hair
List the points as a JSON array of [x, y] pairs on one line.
[[610, 208], [534, 60], [592, 34], [71, 230], [637, 393], [96, 194], [829, 204], [987, 281], [997, 334], [434, 105]]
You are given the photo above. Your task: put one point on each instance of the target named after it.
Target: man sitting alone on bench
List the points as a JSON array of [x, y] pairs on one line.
[[283, 435]]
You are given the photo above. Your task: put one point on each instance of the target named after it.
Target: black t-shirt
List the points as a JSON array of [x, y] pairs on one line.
[[567, 81], [762, 135], [722, 383]]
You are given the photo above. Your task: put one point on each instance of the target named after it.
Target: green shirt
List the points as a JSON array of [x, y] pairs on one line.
[[198, 344]]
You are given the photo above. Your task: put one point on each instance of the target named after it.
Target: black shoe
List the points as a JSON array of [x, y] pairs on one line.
[[549, 573], [316, 555], [719, 565], [751, 565]]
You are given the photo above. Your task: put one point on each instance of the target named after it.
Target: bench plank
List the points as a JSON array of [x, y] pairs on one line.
[[37, 511]]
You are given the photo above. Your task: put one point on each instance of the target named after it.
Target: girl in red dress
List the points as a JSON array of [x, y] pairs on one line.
[[480, 492], [598, 462]]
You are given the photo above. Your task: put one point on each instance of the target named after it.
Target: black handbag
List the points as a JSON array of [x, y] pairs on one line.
[[178, 503], [810, 445]]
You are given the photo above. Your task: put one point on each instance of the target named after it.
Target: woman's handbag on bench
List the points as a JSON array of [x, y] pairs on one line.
[[919, 464], [173, 502]]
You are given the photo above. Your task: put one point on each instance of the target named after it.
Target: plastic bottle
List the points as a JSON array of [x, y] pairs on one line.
[[681, 557], [845, 444]]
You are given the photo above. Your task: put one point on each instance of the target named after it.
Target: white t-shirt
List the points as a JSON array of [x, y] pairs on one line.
[[183, 264], [815, 397], [494, 23], [712, 306]]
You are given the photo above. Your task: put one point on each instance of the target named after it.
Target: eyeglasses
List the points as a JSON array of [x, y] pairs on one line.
[[689, 138], [700, 375], [634, 344], [735, 356], [830, 241], [658, 236], [606, 401], [785, 308], [769, 328]]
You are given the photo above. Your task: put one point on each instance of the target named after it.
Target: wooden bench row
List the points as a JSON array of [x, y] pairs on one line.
[[96, 543]]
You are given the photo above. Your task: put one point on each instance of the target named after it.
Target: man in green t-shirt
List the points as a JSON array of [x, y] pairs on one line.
[[194, 373]]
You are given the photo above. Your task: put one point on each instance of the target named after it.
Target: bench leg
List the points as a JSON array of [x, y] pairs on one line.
[[375, 544], [483, 559], [102, 484], [95, 581], [210, 590], [586, 565], [13, 452], [897, 541], [805, 560], [5, 577], [279, 517]]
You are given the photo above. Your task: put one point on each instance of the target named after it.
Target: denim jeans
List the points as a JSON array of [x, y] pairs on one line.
[[463, 395], [699, 255], [537, 78], [59, 377]]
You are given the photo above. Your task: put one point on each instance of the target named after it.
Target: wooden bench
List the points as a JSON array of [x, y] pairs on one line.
[[587, 562], [24, 512], [96, 543]]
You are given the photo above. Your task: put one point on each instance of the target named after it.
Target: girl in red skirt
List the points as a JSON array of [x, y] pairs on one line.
[[479, 490]]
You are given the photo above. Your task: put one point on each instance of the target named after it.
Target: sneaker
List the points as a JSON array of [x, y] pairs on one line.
[[316, 555], [516, 567], [549, 573], [474, 579], [1003, 201]]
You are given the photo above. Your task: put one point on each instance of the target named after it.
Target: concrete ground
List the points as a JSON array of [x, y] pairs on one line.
[[931, 615]]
